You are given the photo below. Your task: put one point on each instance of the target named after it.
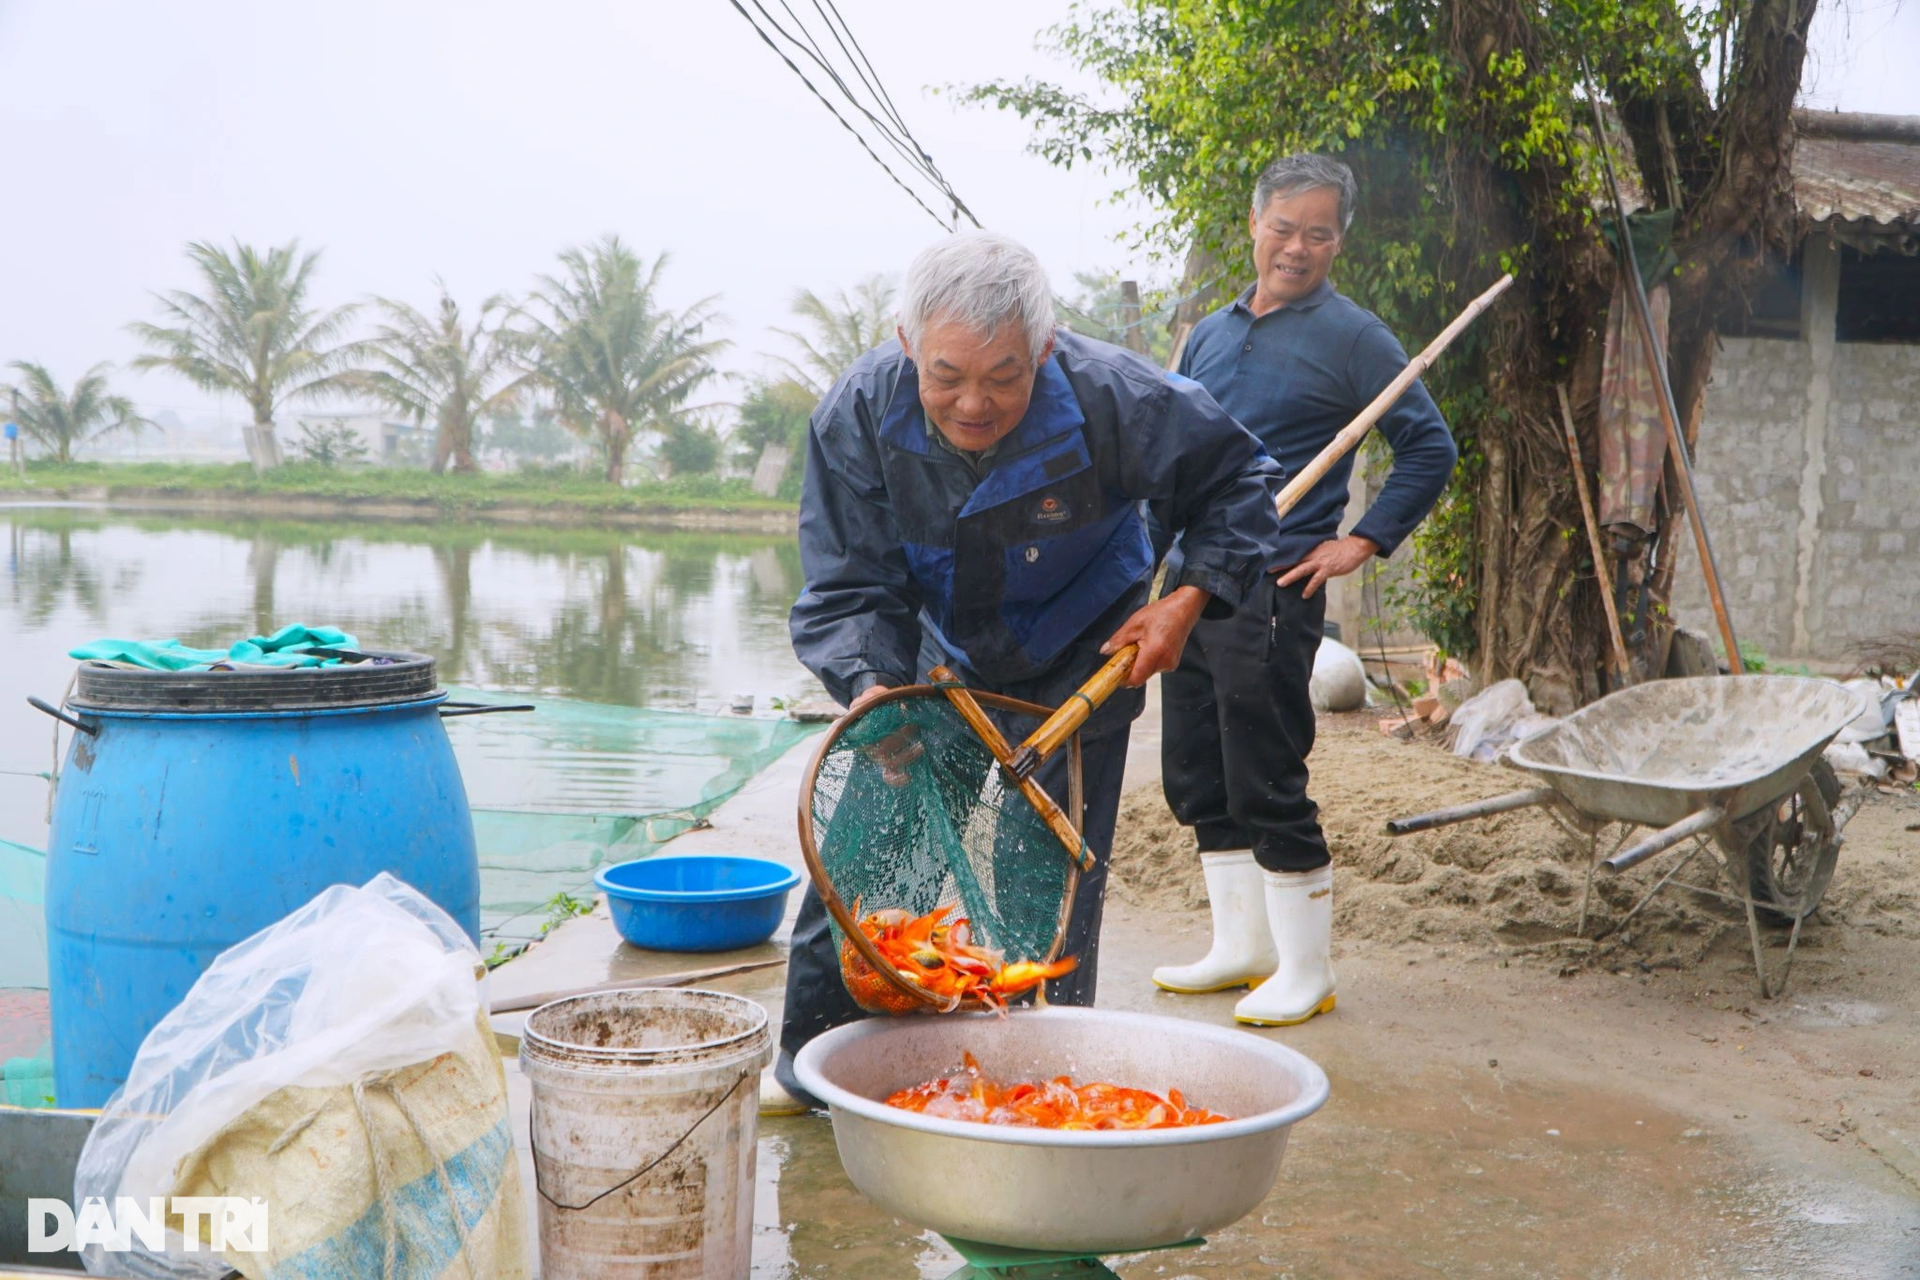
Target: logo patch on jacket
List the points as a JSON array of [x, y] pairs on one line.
[[1050, 510]]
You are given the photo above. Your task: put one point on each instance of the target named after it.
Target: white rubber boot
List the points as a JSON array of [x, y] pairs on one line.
[[1242, 951], [775, 1100], [1300, 913]]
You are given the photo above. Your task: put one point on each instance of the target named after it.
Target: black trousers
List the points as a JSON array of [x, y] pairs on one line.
[[817, 999], [1237, 725]]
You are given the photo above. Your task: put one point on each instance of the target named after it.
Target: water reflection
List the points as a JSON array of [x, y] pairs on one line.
[[640, 619]]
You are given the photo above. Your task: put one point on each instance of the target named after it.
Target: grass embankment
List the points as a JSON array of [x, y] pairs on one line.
[[557, 493]]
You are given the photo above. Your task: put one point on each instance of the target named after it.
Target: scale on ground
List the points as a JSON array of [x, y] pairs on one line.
[[986, 1261]]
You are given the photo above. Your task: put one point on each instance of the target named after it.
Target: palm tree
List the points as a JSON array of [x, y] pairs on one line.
[[252, 334], [440, 370], [616, 361], [841, 331], [62, 421]]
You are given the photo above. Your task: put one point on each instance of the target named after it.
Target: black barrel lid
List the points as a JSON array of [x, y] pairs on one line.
[[402, 677]]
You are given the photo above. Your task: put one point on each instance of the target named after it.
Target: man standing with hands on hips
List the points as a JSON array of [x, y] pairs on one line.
[[1294, 362]]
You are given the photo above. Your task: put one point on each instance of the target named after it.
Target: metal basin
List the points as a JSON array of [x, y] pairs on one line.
[[1659, 751], [1043, 1189]]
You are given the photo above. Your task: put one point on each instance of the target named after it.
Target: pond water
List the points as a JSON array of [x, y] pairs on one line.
[[663, 632]]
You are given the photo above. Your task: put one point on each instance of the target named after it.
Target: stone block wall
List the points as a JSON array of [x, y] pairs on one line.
[[1747, 472], [1809, 476]]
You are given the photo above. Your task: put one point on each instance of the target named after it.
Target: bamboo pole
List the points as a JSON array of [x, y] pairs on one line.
[[1073, 713], [1050, 813], [1355, 431], [1621, 665]]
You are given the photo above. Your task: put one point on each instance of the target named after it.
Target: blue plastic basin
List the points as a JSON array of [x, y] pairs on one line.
[[696, 902]]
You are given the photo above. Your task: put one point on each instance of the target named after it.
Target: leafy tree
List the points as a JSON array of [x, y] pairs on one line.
[[616, 361], [838, 332], [1098, 309], [689, 448], [775, 411], [251, 334], [1469, 128], [527, 435], [331, 444], [441, 370], [62, 421]]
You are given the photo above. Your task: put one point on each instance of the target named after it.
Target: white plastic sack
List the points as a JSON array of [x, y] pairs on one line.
[[339, 1064], [1872, 721], [1851, 757], [1339, 680], [1494, 719]]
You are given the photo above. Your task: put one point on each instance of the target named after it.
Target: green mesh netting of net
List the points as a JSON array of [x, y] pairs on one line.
[[910, 811]]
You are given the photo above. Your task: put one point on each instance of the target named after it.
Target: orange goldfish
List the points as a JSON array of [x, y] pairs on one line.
[[1053, 1104], [939, 957]]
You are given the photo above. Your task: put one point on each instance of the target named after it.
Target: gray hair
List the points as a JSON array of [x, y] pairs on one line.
[[982, 280], [1303, 172]]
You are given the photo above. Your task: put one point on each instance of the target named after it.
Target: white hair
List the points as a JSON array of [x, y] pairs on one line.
[[982, 280]]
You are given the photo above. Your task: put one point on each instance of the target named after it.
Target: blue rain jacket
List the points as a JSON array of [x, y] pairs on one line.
[[1015, 573]]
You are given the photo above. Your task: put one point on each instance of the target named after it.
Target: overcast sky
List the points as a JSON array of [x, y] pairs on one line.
[[475, 139]]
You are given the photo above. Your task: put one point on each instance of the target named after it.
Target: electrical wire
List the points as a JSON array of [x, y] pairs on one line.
[[844, 123], [887, 121], [871, 77], [893, 128], [884, 117]]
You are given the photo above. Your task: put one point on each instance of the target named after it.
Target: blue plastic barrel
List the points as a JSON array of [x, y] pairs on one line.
[[204, 807]]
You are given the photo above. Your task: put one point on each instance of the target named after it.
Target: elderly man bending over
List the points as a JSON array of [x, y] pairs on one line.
[[974, 497]]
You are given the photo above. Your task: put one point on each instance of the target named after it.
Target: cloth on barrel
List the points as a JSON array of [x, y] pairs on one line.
[[297, 645]]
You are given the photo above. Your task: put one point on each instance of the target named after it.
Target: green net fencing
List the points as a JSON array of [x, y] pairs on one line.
[[564, 790], [911, 811]]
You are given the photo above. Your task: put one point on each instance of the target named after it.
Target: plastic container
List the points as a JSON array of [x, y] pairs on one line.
[[696, 902], [644, 1117], [202, 807]]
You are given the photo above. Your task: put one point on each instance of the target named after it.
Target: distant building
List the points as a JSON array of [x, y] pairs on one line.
[[388, 442], [1809, 457]]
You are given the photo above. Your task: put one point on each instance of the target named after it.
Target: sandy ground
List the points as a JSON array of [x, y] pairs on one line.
[[1507, 1100]]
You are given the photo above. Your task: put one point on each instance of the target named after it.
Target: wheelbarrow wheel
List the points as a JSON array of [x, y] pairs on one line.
[[1791, 848]]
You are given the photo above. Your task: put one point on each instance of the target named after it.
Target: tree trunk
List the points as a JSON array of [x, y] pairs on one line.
[[615, 434], [263, 449], [1540, 614], [453, 442], [463, 447]]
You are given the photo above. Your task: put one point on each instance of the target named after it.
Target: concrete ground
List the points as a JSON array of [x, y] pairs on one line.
[[1488, 1115]]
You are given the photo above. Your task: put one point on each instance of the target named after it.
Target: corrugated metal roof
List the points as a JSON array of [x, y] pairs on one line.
[[1857, 169]]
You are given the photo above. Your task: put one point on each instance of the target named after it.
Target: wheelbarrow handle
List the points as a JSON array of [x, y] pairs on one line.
[[1464, 812], [1665, 838], [79, 726]]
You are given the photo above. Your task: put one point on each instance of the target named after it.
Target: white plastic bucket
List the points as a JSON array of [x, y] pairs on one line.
[[645, 1105]]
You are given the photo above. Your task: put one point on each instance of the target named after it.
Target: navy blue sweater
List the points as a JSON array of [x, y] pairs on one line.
[[1297, 375]]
